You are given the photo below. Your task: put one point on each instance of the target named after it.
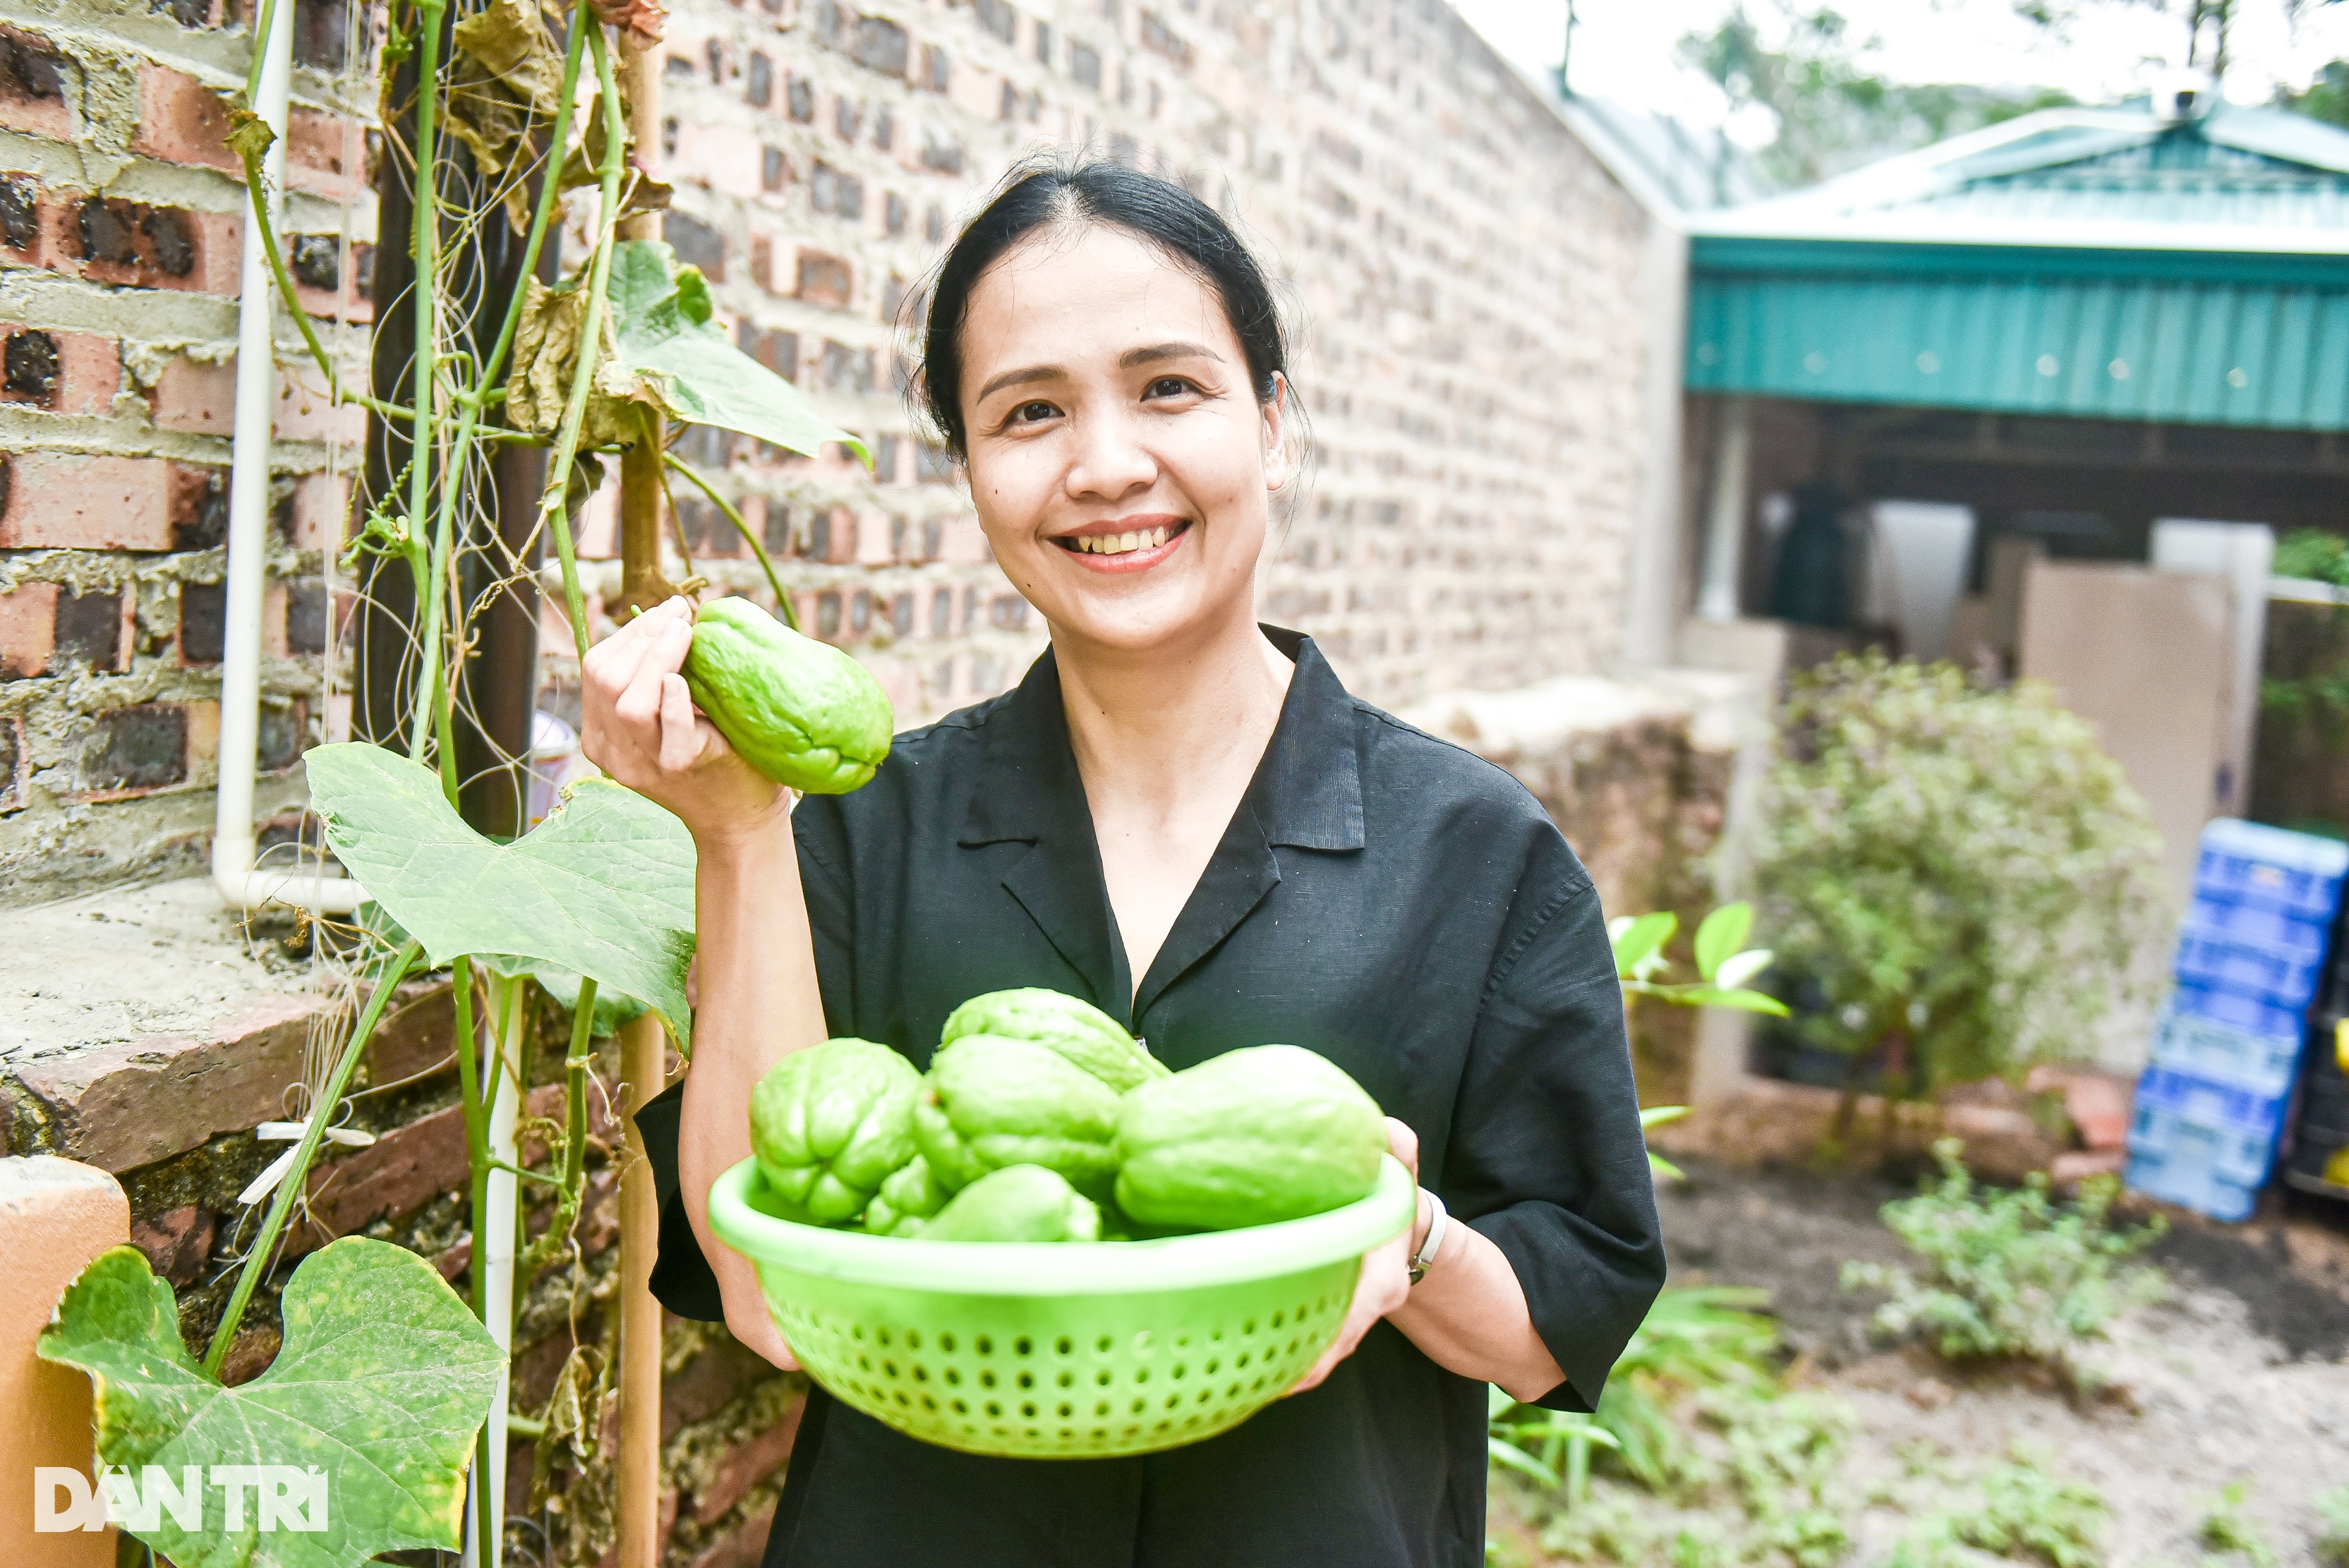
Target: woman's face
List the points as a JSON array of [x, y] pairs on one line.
[[1118, 458]]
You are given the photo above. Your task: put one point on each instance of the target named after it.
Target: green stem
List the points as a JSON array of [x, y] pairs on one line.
[[575, 1140], [774, 581], [551, 512], [424, 241], [289, 1190]]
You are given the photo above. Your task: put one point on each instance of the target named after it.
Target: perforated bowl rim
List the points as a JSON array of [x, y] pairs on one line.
[[1032, 1268]]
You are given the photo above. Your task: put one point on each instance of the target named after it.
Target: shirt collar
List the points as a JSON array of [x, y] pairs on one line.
[[1306, 792]]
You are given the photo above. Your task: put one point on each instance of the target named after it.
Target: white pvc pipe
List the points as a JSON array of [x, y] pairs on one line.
[[494, 1248], [248, 537]]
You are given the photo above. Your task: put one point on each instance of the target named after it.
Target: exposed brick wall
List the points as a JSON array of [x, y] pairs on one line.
[[122, 223], [1463, 272]]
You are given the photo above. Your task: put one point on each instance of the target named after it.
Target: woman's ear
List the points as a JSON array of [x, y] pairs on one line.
[[1275, 412]]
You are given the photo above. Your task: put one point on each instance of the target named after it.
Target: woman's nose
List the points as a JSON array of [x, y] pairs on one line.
[[1111, 459]]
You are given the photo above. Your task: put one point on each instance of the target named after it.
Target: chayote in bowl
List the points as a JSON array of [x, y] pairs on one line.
[[992, 1102], [829, 1124], [1077, 1031], [1017, 1203]]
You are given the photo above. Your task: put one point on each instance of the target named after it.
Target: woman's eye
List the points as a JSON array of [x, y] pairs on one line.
[[1169, 386], [1030, 414]]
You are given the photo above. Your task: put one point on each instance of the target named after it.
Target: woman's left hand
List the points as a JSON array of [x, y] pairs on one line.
[[1385, 1282]]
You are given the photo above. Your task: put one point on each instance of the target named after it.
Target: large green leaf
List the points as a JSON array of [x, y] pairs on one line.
[[603, 887], [667, 338], [382, 1382]]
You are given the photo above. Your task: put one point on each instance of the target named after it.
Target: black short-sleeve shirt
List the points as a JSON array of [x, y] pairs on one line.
[[1384, 897]]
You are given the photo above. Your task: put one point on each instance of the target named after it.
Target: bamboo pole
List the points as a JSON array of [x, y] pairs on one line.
[[643, 1054]]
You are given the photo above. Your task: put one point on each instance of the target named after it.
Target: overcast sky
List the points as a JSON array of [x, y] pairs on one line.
[[1624, 49]]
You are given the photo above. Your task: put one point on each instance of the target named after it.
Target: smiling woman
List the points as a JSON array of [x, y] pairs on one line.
[[1184, 818]]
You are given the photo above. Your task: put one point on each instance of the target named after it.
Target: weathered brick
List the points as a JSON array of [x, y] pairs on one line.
[[195, 395], [28, 616], [124, 1105], [32, 86], [198, 498], [750, 1461], [181, 121], [203, 622], [94, 627], [87, 501], [176, 1242], [324, 153], [130, 751], [110, 240], [822, 279], [66, 372], [744, 1546]]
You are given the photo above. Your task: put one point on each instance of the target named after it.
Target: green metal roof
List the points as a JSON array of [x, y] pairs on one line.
[[2102, 264]]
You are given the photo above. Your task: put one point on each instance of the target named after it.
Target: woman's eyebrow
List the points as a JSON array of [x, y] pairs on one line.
[[1158, 352], [1020, 379]]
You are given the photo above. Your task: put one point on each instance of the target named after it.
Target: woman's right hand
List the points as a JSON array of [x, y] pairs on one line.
[[747, 1320], [638, 724]]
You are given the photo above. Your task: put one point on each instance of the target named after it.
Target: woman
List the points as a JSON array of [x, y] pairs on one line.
[[1184, 818]]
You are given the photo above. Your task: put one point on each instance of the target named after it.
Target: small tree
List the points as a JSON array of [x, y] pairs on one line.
[[1963, 871]]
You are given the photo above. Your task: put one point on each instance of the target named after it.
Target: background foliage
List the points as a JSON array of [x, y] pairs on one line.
[[1962, 872]]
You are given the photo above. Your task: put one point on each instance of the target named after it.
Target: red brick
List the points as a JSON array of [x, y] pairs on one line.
[[181, 121], [322, 504], [78, 502], [305, 412], [709, 1382], [408, 1166], [824, 279], [68, 372], [751, 1461], [195, 395], [745, 1546], [136, 244], [28, 614], [126, 1105], [177, 1243], [324, 153], [33, 90]]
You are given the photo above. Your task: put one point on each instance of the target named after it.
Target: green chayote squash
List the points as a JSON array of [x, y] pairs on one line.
[[801, 712], [910, 1196], [1248, 1137], [1017, 1203], [989, 1103], [829, 1122], [1077, 1029]]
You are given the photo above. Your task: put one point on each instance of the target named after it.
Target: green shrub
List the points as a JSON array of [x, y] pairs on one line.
[[1963, 872], [2009, 1270]]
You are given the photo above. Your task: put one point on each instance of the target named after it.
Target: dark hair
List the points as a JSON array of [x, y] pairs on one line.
[[1040, 195]]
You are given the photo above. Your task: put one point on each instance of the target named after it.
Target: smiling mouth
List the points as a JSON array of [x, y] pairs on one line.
[[1132, 542]]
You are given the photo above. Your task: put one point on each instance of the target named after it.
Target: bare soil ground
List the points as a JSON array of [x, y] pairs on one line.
[[2241, 1374]]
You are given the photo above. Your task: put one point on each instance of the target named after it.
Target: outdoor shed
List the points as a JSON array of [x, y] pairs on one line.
[[1926, 391]]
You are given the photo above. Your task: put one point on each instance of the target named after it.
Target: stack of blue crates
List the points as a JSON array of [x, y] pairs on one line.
[[2211, 1105]]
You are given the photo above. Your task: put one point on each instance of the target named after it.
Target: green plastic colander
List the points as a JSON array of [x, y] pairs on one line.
[[1060, 1351]]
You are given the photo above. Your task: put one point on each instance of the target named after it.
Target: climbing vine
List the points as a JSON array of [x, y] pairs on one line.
[[496, 112]]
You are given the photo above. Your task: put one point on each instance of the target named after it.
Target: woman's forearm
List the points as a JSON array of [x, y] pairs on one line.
[[757, 1001], [1468, 1315]]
